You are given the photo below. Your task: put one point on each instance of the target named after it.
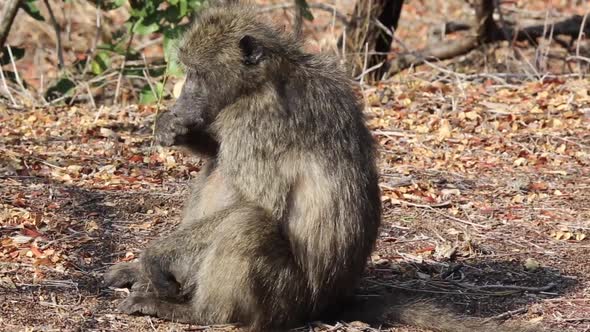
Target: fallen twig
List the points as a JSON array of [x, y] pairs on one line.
[[440, 205], [514, 287], [508, 314]]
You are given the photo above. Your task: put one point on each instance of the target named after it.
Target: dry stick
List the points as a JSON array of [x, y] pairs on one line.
[[432, 208], [545, 288], [123, 64], [6, 88], [60, 56], [16, 75], [147, 76], [98, 24], [507, 314], [159, 104], [579, 41], [548, 47], [90, 95], [298, 24], [10, 10]]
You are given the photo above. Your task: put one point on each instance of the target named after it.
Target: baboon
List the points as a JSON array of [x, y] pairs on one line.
[[285, 213]]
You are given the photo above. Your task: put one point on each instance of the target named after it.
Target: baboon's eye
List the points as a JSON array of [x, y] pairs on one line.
[[251, 49]]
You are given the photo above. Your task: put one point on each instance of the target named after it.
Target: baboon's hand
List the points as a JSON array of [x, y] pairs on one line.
[[123, 275], [139, 303], [168, 128]]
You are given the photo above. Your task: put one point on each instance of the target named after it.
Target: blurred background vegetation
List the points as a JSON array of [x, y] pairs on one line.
[[121, 51]]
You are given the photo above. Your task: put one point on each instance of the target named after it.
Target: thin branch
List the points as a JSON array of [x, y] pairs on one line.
[[580, 34], [60, 55], [10, 10], [6, 88], [123, 64], [16, 75], [432, 208], [298, 24]]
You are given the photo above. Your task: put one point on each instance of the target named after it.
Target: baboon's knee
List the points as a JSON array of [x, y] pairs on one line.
[[156, 267]]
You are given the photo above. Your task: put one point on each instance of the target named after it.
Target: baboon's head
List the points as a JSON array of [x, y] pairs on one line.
[[227, 54]]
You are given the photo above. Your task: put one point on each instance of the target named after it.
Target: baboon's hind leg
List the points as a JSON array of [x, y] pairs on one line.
[[150, 304], [248, 274], [122, 275]]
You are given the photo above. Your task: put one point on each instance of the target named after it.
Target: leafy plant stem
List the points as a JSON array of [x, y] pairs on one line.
[[117, 90]]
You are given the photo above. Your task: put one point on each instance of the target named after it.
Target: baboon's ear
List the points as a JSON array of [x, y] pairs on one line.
[[251, 49]]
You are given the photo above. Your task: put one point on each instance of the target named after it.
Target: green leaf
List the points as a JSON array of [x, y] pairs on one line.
[[31, 9], [172, 14], [144, 27], [195, 4], [59, 89], [101, 62], [142, 8], [171, 37], [115, 48], [175, 69], [304, 8], [154, 70], [183, 8], [17, 53], [147, 96]]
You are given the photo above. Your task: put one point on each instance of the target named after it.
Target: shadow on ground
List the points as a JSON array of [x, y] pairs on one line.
[[100, 227], [476, 289], [92, 229]]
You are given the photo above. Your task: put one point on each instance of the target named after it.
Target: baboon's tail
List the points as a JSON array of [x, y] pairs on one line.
[[427, 315]]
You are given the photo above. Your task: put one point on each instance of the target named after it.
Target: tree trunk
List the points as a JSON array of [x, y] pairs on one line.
[[484, 30], [369, 37]]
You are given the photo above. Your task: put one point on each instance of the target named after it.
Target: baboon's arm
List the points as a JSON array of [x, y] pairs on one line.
[[174, 128]]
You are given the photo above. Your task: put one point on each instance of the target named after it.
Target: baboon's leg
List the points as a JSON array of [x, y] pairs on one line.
[[170, 266], [191, 204], [170, 263], [248, 274], [210, 194], [150, 304], [165, 262], [130, 274], [245, 274]]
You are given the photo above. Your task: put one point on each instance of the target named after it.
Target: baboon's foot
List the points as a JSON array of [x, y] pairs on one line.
[[141, 303]]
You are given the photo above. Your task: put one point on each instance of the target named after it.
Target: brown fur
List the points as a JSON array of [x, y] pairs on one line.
[[281, 221]]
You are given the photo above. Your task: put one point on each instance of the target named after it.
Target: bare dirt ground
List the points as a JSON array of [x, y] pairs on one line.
[[485, 176], [486, 191]]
